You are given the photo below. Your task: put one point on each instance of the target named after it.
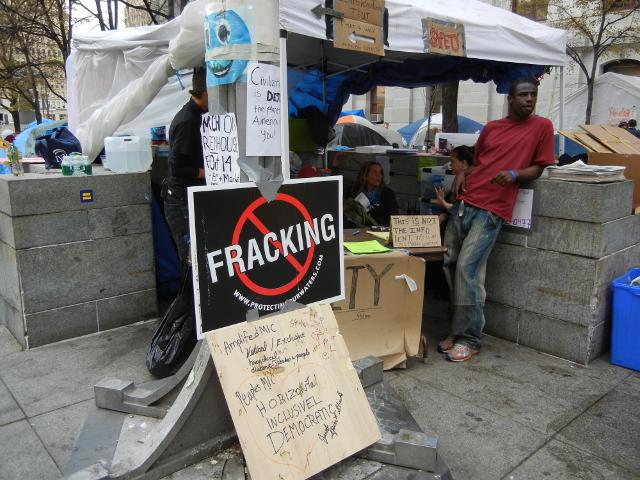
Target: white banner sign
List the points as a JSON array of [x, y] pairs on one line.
[[263, 110], [220, 148], [521, 215]]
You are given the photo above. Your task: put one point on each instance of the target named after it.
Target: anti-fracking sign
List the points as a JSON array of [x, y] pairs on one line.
[[250, 254]]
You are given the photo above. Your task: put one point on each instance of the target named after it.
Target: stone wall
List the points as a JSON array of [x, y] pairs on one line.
[[549, 288], [72, 268]]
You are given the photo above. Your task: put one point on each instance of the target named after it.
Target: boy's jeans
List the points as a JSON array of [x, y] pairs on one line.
[[469, 238]]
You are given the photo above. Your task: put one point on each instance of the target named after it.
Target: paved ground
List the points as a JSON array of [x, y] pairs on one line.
[[509, 413]]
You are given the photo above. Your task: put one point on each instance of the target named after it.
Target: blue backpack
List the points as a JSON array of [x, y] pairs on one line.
[[55, 144]]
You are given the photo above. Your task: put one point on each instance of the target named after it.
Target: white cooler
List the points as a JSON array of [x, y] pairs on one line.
[[127, 154]]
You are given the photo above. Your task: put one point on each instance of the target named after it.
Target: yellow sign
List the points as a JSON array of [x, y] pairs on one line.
[[415, 231], [441, 37]]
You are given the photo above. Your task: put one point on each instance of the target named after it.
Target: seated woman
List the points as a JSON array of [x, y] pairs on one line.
[[371, 202], [461, 159]]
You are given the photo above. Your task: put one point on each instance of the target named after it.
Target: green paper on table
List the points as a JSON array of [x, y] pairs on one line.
[[370, 246]]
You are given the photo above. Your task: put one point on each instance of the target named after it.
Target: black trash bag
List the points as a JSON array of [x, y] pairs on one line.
[[175, 337]]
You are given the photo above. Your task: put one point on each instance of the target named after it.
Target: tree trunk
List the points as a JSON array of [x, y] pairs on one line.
[[450, 107], [587, 114], [15, 116]]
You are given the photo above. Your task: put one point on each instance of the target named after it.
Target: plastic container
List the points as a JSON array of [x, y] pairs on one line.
[[127, 154], [76, 164], [625, 331]]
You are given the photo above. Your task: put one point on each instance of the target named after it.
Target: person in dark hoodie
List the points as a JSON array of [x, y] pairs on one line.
[[186, 161]]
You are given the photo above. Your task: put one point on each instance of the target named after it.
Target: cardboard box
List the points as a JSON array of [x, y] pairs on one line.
[[632, 172], [380, 315]]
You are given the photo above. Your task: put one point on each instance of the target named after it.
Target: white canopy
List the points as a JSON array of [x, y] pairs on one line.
[[114, 78], [616, 98]]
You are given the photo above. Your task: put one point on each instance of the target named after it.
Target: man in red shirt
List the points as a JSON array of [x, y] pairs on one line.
[[509, 151]]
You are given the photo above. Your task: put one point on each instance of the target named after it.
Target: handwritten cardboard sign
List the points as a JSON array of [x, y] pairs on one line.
[[445, 38], [296, 401], [220, 148], [263, 110], [521, 215], [361, 27], [415, 231]]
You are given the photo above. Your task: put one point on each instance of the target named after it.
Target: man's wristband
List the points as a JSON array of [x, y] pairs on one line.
[[514, 177]]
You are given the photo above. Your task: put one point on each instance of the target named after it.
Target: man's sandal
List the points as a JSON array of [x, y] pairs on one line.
[[447, 344], [461, 353]]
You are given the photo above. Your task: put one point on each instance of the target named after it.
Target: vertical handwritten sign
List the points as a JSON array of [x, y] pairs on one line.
[[220, 148], [296, 401], [415, 231], [445, 38], [521, 215], [263, 110]]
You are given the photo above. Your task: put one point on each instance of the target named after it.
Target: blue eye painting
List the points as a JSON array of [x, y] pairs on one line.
[[225, 29]]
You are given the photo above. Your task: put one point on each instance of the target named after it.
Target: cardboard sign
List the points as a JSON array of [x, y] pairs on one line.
[[380, 314], [249, 254], [521, 216], [295, 399], [361, 27], [415, 231], [220, 148], [445, 38], [263, 110]]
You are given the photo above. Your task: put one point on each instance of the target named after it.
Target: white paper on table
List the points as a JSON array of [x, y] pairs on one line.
[[263, 110]]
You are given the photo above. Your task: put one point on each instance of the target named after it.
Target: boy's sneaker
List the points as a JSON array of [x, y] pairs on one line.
[[461, 353]]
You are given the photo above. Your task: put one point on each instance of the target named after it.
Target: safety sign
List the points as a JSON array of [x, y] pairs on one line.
[[250, 254]]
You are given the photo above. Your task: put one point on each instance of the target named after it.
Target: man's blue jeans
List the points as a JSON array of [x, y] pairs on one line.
[[469, 238]]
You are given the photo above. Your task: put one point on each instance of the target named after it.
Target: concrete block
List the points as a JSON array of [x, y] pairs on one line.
[[56, 276], [578, 343], [126, 309], [12, 318], [50, 229], [116, 221], [109, 392], [591, 240], [6, 230], [34, 193], [586, 202], [513, 236], [5, 203], [618, 263], [502, 321], [416, 450], [61, 323], [369, 370], [9, 279]]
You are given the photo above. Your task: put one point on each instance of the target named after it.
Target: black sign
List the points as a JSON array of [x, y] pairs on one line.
[[252, 254]]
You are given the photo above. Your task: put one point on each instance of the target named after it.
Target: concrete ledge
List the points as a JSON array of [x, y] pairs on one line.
[[9, 279], [116, 221], [502, 321], [11, 318], [586, 202], [126, 309], [60, 323], [91, 270], [49, 229]]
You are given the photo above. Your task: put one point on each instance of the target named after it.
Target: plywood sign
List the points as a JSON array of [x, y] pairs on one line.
[[296, 401], [415, 231], [361, 27], [445, 38]]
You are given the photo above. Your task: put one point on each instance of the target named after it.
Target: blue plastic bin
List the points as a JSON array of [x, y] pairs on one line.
[[625, 332]]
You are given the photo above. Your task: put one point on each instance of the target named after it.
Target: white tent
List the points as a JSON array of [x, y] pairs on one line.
[[117, 79], [615, 98]]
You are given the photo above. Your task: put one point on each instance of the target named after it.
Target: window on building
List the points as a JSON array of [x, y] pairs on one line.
[[533, 9], [624, 67], [376, 102]]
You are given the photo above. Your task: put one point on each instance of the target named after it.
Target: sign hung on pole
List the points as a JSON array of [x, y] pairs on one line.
[[220, 148], [361, 27], [445, 38], [296, 401], [263, 110], [249, 254]]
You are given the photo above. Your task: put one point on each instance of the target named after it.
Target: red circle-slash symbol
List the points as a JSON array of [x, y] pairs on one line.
[[302, 269]]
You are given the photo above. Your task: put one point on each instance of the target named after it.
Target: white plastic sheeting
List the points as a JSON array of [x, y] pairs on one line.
[[615, 98], [112, 76]]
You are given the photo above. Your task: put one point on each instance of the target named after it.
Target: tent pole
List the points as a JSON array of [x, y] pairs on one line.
[[561, 113], [284, 107], [325, 154]]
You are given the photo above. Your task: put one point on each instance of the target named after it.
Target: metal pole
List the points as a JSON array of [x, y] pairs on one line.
[[561, 113], [284, 107]]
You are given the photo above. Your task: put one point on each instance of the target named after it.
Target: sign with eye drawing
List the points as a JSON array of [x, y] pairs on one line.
[[295, 399]]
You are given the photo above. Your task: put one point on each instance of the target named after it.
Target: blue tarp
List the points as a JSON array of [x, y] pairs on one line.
[[358, 113], [21, 139], [465, 125], [305, 88]]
